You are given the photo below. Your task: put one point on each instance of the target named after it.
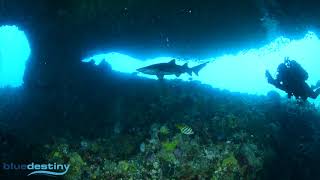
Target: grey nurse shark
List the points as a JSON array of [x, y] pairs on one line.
[[170, 68]]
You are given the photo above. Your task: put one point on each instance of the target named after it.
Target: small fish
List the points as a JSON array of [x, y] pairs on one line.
[[184, 129], [142, 147]]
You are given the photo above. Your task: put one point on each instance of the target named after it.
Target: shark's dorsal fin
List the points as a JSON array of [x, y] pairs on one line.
[[185, 65], [173, 61]]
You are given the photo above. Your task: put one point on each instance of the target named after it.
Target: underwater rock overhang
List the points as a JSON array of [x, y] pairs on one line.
[[243, 72]]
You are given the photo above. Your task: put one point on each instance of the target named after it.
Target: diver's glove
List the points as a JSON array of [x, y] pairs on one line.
[[269, 77]]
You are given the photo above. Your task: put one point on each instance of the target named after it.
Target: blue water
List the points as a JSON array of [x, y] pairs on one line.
[[14, 53], [241, 72]]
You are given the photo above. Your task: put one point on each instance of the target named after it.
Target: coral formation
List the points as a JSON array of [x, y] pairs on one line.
[[235, 136]]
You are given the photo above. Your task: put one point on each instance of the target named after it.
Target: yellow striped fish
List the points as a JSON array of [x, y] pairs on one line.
[[184, 129]]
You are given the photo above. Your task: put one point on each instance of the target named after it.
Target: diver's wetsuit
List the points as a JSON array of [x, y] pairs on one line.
[[291, 78]]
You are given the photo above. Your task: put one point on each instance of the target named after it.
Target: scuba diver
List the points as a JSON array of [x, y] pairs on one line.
[[291, 78]]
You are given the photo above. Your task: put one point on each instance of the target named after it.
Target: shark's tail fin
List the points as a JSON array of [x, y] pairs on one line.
[[196, 69]]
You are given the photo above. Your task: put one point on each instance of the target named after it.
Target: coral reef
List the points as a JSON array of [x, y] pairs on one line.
[[235, 136], [178, 156]]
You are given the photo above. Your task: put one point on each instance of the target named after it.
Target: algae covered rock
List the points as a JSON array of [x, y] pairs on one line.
[[77, 166], [252, 155]]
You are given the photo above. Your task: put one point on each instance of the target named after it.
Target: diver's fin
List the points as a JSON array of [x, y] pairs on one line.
[[316, 86], [316, 94], [173, 61], [160, 76], [196, 69]]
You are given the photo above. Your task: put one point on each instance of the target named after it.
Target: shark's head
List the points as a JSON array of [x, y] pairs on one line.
[[147, 70]]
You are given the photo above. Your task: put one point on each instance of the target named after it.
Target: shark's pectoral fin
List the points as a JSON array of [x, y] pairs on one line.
[[160, 76]]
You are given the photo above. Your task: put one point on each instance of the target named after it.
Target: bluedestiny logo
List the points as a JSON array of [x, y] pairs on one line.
[[39, 169]]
